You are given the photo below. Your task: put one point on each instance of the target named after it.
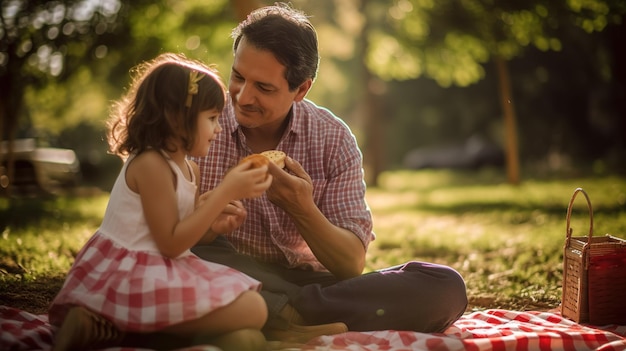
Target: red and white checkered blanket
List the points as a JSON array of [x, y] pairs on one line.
[[486, 330]]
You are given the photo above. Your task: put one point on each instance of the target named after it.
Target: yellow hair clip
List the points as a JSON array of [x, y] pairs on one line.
[[192, 89]]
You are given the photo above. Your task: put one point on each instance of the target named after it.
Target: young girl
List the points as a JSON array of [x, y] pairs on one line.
[[136, 274]]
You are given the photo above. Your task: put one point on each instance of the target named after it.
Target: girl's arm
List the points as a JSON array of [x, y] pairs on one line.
[[151, 177]]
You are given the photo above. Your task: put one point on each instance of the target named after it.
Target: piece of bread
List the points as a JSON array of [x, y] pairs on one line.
[[278, 157], [257, 160]]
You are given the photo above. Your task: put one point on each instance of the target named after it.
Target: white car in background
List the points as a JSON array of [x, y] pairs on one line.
[[38, 168]]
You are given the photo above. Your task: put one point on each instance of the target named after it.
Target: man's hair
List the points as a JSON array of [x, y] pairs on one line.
[[288, 35]]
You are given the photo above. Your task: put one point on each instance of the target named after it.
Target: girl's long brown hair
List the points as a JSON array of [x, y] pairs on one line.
[[153, 111]]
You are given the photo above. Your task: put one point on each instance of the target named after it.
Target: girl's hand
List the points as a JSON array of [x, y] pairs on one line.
[[243, 181], [230, 219], [202, 198]]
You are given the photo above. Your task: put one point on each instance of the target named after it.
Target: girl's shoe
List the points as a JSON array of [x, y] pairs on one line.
[[83, 330]]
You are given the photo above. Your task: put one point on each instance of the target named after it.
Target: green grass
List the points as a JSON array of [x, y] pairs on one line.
[[506, 241]]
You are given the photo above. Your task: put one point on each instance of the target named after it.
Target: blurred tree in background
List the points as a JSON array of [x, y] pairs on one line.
[[451, 40], [405, 74], [44, 42], [61, 62], [395, 50]]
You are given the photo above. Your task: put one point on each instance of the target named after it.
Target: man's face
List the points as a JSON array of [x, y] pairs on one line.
[[258, 89]]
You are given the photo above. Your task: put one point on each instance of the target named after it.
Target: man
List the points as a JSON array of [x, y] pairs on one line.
[[306, 240]]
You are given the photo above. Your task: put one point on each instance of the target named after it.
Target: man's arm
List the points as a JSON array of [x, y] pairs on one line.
[[338, 249]]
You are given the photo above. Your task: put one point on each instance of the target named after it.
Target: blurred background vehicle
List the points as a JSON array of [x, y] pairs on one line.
[[476, 152], [39, 169]]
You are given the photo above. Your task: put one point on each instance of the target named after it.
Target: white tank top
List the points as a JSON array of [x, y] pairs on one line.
[[124, 221]]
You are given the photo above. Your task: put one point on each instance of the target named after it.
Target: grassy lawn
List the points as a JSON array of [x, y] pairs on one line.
[[506, 241]]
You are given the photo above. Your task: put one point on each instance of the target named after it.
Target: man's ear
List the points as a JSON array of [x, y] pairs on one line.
[[303, 89]]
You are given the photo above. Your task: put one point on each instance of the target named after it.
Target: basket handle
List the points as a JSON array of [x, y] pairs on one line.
[[569, 215]]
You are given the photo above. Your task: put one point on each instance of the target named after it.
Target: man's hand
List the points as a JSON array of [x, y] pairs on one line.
[[338, 249], [292, 188]]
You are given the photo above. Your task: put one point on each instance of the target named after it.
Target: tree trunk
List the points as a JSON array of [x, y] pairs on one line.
[[618, 34], [374, 129], [12, 89], [510, 123]]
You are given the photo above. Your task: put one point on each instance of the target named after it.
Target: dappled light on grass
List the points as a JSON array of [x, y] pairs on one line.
[[38, 242], [506, 241]]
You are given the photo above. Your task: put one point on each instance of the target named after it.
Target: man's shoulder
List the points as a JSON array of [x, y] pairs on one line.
[[309, 107], [319, 114]]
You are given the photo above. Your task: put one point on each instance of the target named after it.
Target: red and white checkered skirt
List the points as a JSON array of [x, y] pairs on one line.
[[144, 291]]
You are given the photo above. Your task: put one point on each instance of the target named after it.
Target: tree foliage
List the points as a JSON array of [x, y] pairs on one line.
[[62, 61], [43, 41], [65, 60], [450, 41]]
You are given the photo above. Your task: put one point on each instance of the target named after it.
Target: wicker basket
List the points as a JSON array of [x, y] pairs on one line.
[[594, 275]]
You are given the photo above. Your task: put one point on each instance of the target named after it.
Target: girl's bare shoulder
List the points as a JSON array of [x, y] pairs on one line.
[[150, 166]]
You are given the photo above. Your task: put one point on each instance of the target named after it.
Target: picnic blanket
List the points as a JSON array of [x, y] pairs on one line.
[[493, 329]]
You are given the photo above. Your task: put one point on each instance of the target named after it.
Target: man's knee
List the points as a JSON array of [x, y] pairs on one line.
[[442, 290]]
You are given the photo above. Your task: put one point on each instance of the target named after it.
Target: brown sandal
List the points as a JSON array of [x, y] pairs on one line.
[[83, 330]]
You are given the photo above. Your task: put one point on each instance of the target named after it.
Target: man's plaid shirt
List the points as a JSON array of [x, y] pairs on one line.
[[328, 151]]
